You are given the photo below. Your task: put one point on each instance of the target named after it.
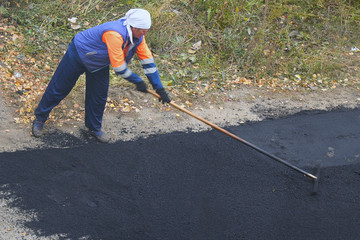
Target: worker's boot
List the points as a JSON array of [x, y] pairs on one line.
[[100, 136], [37, 128]]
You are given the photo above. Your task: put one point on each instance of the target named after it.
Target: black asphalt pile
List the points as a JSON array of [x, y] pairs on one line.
[[197, 185]]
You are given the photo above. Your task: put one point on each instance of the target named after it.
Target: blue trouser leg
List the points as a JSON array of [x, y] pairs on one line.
[[63, 80], [97, 85]]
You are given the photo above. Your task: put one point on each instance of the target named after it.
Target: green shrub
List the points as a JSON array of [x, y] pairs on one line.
[[252, 38]]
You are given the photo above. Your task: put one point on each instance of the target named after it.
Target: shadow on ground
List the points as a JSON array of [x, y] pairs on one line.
[[196, 185]]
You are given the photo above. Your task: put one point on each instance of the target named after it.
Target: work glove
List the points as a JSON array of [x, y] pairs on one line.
[[164, 98], [141, 86]]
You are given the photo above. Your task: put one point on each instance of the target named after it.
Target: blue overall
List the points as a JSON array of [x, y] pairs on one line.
[[64, 79], [88, 54]]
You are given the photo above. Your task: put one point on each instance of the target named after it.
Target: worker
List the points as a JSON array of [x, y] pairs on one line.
[[91, 52]]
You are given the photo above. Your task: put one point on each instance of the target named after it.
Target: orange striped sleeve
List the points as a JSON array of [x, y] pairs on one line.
[[114, 42], [143, 51]]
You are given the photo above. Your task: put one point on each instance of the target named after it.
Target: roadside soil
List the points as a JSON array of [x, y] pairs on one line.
[[223, 108]]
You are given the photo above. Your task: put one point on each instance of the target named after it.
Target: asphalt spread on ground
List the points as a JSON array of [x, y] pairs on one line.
[[196, 185]]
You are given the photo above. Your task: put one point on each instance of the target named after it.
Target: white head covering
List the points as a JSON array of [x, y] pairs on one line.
[[138, 18]]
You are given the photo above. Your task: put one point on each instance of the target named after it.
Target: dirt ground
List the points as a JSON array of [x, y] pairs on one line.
[[224, 109]]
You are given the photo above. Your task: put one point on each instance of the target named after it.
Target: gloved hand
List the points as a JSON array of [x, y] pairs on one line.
[[141, 86], [163, 95]]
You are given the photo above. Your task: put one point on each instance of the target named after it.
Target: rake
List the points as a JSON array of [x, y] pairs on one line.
[[313, 177]]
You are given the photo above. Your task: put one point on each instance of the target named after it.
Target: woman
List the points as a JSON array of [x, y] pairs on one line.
[[91, 52]]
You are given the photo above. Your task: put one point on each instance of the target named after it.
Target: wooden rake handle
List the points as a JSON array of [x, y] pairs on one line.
[[236, 137]]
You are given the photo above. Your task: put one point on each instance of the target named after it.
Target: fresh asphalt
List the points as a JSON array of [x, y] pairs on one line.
[[196, 185]]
